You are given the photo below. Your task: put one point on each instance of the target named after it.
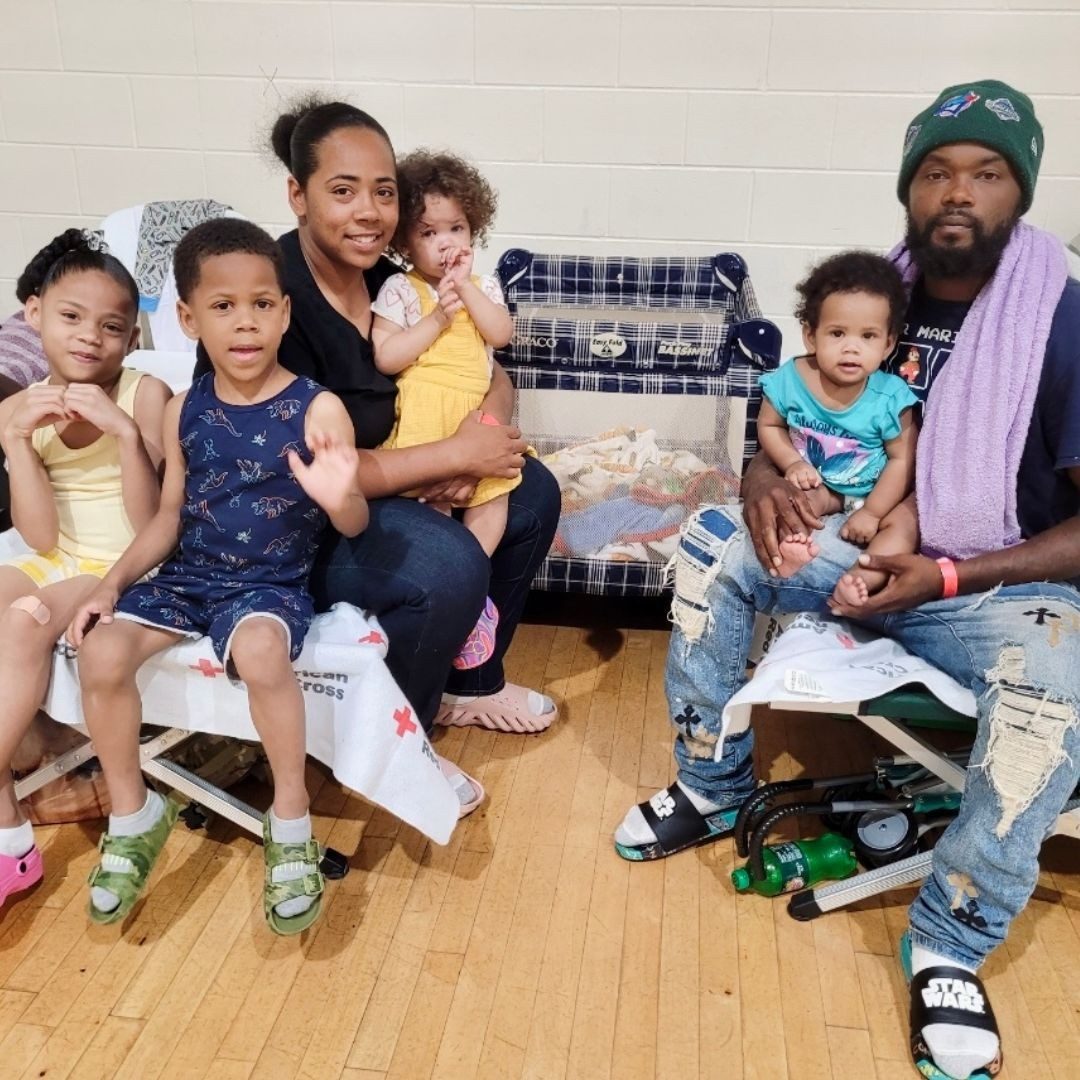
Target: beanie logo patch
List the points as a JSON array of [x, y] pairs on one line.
[[956, 105], [1034, 147], [1002, 108], [910, 137]]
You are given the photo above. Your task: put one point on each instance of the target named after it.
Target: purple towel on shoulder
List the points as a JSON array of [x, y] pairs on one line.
[[22, 356], [977, 414]]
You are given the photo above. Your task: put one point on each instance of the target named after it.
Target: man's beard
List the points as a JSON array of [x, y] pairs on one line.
[[978, 259]]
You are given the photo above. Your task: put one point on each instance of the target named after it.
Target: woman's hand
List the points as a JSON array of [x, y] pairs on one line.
[[457, 491], [913, 580], [89, 402], [488, 450], [40, 406]]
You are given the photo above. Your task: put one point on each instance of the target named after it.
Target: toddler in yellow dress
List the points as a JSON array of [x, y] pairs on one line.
[[435, 328]]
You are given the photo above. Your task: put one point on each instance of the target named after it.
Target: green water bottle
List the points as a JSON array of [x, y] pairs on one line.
[[799, 864]]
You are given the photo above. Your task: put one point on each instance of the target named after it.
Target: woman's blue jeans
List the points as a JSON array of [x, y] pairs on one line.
[[1017, 648], [425, 577]]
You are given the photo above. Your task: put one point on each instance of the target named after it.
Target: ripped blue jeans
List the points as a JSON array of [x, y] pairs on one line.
[[1017, 649]]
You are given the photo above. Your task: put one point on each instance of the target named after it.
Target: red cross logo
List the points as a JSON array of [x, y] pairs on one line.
[[208, 668], [404, 723], [373, 638]]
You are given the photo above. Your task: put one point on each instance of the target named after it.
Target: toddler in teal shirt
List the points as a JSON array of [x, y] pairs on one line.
[[836, 426]]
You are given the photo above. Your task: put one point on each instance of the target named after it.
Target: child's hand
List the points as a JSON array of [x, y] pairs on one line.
[[457, 264], [98, 609], [802, 475], [88, 401], [861, 527], [331, 479], [449, 301], [41, 406]]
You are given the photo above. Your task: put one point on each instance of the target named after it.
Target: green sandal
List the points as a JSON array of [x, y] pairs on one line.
[[276, 892], [143, 851]]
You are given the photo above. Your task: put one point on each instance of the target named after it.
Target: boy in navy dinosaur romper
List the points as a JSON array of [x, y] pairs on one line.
[[256, 460]]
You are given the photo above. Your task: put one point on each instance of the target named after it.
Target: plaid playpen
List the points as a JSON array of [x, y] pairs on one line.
[[663, 356]]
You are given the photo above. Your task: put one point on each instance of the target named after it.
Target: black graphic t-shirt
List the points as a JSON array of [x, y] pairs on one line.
[[1045, 496]]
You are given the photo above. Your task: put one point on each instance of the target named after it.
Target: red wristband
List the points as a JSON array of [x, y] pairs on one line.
[[950, 583]]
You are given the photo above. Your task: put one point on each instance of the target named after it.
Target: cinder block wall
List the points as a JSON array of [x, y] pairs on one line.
[[769, 128]]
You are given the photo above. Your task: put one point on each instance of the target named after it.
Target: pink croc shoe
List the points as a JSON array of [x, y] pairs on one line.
[[480, 644], [514, 709], [19, 872]]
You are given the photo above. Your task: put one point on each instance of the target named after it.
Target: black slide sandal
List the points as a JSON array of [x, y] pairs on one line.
[[949, 995], [677, 824]]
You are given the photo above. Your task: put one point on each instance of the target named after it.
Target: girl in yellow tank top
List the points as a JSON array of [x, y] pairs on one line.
[[83, 450], [435, 327]]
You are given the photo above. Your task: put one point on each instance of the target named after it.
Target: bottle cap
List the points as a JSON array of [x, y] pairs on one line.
[[740, 878]]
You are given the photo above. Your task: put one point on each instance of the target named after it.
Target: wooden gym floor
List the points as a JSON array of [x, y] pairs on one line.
[[525, 948]]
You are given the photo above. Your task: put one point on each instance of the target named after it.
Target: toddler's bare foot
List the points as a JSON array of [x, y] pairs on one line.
[[824, 501], [795, 552], [858, 585], [851, 591]]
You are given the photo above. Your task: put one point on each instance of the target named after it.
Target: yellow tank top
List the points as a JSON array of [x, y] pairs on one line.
[[87, 488]]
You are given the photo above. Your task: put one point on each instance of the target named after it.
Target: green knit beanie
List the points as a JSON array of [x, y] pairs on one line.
[[988, 112]]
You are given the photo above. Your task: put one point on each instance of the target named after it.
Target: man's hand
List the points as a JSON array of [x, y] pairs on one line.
[[486, 450], [41, 406], [99, 608], [861, 527], [803, 475], [913, 580], [88, 401], [773, 510]]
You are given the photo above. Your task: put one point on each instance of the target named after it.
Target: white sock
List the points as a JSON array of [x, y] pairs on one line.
[[703, 806], [463, 788], [636, 831], [956, 1050], [291, 831], [141, 821], [18, 841]]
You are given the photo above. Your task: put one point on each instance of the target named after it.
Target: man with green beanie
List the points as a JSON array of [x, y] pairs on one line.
[[988, 112], [991, 347]]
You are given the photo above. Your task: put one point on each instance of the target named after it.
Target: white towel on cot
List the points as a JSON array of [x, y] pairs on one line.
[[819, 661], [359, 723]]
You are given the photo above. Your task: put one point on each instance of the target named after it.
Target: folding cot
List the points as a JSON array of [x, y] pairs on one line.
[[822, 665], [359, 722]]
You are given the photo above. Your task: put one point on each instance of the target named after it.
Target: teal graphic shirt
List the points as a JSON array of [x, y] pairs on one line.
[[846, 446]]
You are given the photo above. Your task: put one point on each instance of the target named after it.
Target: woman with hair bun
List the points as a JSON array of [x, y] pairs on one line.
[[424, 575]]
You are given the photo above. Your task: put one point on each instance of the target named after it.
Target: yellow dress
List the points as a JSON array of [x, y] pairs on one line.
[[443, 386]]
